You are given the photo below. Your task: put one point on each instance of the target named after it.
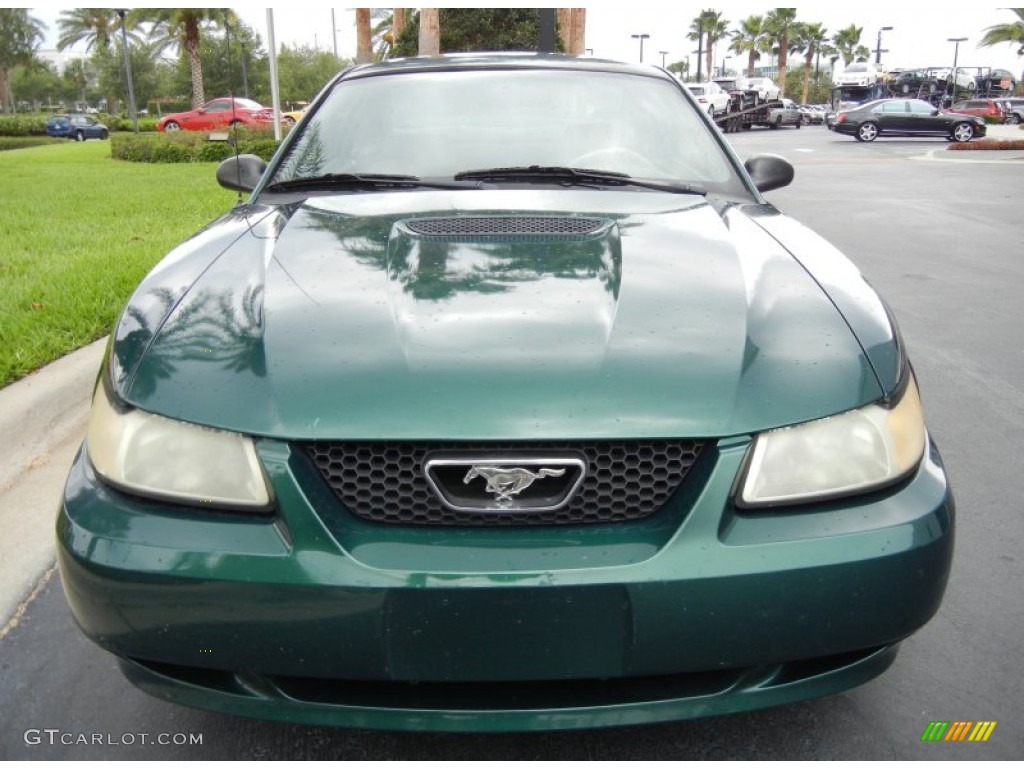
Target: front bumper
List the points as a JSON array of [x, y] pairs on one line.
[[312, 616]]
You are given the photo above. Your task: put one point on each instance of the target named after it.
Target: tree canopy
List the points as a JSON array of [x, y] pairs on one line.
[[20, 35], [477, 29], [1011, 32]]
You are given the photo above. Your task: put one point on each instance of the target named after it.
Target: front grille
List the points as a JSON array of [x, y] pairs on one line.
[[385, 482], [502, 226]]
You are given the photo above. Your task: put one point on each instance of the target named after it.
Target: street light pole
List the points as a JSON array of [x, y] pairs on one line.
[[128, 71], [334, 33], [643, 36], [952, 75], [663, 55], [878, 45]]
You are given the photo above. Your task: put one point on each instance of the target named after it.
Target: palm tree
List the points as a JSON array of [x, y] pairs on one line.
[[430, 32], [1013, 32], [748, 39], [847, 42], [364, 36], [97, 27], [715, 28], [777, 23], [182, 27], [698, 28], [809, 38], [78, 72]]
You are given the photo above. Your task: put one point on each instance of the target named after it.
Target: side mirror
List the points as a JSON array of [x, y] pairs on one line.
[[768, 172], [201, 111], [935, 112], [241, 173]]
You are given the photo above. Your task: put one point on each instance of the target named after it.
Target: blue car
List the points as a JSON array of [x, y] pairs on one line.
[[77, 127]]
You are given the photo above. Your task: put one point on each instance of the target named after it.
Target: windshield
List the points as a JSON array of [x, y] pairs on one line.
[[434, 125]]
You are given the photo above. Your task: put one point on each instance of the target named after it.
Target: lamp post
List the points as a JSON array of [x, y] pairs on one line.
[[334, 33], [878, 45], [952, 75], [128, 71], [663, 55], [641, 37]]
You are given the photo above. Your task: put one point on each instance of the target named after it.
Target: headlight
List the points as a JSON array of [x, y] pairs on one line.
[[845, 454], [155, 456]]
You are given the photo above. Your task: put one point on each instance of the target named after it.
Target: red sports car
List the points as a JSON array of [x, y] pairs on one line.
[[217, 114]]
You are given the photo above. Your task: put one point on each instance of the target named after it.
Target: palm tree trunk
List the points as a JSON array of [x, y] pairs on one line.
[[565, 28], [430, 32], [807, 74], [578, 32], [196, 65], [6, 102], [783, 52], [364, 47], [397, 22], [711, 57]]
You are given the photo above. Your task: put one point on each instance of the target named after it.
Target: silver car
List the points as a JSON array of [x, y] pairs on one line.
[[788, 114]]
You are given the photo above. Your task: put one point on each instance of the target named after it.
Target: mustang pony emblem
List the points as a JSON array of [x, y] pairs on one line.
[[506, 482]]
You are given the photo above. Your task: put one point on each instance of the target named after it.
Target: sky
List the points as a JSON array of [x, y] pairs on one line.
[[919, 35]]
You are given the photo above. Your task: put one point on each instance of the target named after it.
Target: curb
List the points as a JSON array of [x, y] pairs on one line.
[[45, 409], [44, 418]]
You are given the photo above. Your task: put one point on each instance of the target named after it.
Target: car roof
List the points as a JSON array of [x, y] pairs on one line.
[[477, 61]]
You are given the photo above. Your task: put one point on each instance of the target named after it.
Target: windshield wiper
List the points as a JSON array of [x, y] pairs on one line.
[[574, 177], [362, 181]]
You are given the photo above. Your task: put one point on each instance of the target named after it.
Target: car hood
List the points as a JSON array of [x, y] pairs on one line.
[[472, 315]]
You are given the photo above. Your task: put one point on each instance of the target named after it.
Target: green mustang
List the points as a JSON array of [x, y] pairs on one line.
[[505, 402]]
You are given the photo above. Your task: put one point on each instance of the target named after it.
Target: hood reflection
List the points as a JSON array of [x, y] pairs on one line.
[[447, 293]]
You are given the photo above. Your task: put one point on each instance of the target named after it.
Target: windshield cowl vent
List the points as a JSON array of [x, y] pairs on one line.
[[506, 227]]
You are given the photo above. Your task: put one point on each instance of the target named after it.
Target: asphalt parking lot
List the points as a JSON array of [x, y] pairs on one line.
[[938, 233]]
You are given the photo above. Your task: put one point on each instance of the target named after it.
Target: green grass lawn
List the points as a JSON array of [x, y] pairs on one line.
[[78, 231]]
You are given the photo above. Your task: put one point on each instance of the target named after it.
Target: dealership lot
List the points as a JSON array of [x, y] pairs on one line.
[[936, 232]]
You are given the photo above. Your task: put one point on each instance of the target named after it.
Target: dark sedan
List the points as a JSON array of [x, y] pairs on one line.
[[906, 117], [995, 80]]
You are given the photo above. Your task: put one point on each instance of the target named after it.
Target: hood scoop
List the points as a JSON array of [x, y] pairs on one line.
[[499, 290], [506, 228]]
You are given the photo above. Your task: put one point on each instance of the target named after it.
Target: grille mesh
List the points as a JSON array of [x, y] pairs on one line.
[[385, 482], [500, 226]]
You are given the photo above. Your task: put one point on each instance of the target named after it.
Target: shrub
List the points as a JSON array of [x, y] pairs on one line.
[[185, 147], [23, 125], [987, 144], [214, 151], [118, 123], [172, 152], [264, 148], [35, 125], [21, 142]]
